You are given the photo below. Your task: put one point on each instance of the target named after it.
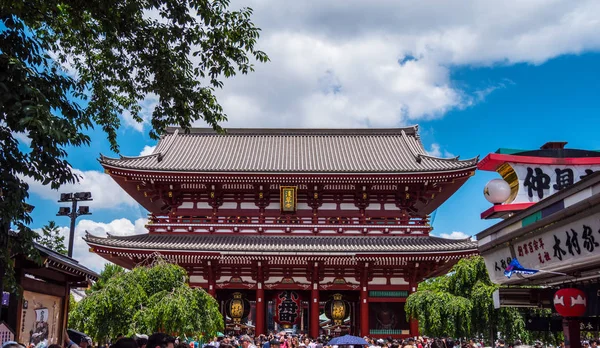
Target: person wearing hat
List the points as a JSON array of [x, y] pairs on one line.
[[141, 340]]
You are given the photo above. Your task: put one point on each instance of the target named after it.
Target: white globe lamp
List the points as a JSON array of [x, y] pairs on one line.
[[496, 191]]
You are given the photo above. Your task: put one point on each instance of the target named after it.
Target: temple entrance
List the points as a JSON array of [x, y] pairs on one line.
[[290, 311]]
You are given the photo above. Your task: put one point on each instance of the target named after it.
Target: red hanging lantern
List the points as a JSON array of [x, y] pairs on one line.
[[570, 302], [288, 306]]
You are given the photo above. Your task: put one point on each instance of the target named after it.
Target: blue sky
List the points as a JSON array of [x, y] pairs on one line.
[[555, 101], [473, 86]]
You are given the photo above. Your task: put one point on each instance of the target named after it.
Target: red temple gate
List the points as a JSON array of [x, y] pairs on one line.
[[317, 212]]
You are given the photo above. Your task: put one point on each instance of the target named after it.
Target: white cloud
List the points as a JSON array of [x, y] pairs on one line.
[[119, 227], [148, 105], [455, 235], [106, 193], [436, 151], [69, 66], [147, 150], [351, 63], [384, 64], [22, 137]]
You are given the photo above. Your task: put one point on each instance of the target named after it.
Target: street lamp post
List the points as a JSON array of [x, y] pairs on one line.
[[72, 212]]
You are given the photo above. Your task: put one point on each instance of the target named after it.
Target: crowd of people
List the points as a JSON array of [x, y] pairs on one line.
[[285, 340]]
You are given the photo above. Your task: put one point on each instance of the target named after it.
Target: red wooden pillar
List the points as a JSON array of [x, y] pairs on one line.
[[211, 280], [414, 323], [260, 302], [314, 304], [364, 303]]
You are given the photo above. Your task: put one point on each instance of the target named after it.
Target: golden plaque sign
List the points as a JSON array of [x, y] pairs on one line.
[[288, 198]]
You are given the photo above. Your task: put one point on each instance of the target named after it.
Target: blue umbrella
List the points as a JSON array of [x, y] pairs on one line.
[[348, 340]]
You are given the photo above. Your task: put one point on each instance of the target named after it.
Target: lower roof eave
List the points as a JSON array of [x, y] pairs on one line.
[[425, 255]]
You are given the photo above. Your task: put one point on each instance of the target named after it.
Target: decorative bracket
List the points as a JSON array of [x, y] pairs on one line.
[[215, 195]]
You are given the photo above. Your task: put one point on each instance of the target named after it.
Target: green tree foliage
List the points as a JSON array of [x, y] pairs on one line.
[[51, 238], [460, 305], [147, 299], [67, 66], [110, 270], [72, 308]]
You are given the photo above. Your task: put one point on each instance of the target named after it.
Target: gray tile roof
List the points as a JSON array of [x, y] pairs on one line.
[[60, 261], [66, 263], [266, 243], [394, 150]]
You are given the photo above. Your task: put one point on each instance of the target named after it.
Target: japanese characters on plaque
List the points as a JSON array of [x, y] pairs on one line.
[[576, 241], [288, 199], [288, 307], [537, 182]]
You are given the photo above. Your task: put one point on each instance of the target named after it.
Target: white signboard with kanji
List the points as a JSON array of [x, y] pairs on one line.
[[551, 251], [537, 182], [496, 263]]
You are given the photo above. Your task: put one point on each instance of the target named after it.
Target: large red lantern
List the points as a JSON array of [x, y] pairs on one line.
[[570, 302], [287, 308]]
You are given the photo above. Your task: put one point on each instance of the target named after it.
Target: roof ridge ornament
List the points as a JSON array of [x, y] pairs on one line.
[[167, 147], [297, 131], [416, 154]]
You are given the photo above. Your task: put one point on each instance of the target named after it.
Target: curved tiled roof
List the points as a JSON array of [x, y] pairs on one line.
[[299, 244], [59, 261], [394, 150]]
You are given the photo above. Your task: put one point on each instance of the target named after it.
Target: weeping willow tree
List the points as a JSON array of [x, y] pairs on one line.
[[147, 300], [460, 304]]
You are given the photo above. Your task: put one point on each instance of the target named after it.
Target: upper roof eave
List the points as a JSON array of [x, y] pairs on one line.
[[319, 151], [150, 170]]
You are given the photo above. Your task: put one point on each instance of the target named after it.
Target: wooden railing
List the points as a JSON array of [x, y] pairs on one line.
[[287, 224]]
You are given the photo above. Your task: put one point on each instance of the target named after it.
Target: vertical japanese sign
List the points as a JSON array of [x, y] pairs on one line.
[[288, 198]]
